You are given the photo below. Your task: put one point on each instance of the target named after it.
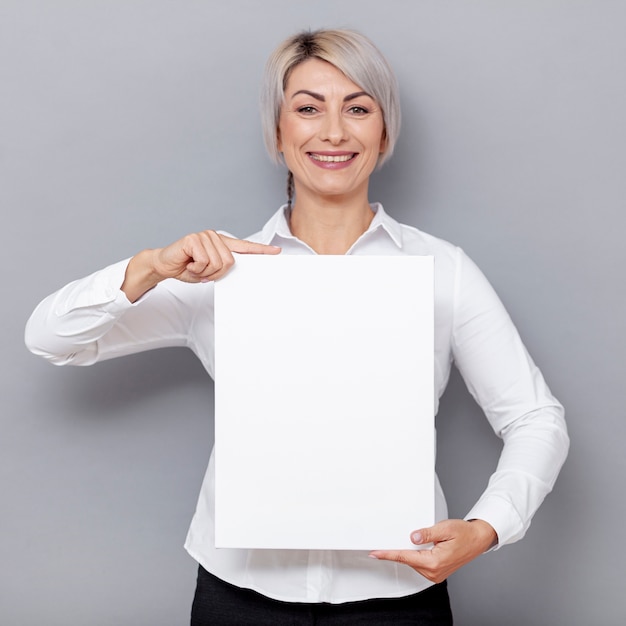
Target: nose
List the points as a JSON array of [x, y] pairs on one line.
[[333, 128]]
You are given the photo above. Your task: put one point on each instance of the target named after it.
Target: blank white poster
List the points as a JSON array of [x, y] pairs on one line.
[[324, 434]]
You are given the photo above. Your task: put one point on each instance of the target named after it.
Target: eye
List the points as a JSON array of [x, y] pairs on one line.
[[357, 110], [307, 110]]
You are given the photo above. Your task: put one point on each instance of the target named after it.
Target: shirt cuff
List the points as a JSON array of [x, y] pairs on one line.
[[102, 289], [502, 516]]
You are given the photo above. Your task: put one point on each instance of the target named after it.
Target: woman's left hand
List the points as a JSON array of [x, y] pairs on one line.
[[456, 542]]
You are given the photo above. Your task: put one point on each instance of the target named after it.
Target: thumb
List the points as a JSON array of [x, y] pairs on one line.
[[419, 537], [431, 534]]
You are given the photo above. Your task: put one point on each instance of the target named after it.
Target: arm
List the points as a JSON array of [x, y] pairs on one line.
[[117, 310], [503, 379], [505, 382]]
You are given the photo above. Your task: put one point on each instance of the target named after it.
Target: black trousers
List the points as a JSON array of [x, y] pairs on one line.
[[218, 603]]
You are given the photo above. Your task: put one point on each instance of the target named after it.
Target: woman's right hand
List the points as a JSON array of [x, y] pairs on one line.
[[198, 257]]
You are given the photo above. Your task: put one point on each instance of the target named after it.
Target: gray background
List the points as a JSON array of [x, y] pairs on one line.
[[127, 124]]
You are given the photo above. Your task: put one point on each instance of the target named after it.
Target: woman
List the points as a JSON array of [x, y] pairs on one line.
[[331, 113]]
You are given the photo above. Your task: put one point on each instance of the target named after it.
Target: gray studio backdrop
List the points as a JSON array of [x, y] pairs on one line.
[[126, 124]]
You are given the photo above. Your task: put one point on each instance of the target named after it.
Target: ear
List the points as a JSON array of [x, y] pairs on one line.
[[383, 142], [279, 143]]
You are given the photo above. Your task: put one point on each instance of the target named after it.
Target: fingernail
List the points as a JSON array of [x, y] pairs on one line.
[[373, 556], [416, 537]]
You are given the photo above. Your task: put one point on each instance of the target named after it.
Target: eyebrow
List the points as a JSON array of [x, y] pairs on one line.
[[321, 98]]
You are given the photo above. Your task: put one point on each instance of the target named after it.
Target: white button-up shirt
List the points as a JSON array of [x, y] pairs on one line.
[[91, 320]]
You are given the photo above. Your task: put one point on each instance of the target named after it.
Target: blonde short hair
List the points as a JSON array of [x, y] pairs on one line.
[[351, 53]]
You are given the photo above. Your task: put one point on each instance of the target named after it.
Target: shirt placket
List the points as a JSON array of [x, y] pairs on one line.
[[317, 575]]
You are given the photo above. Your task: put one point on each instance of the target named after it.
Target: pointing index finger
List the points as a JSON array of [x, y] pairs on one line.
[[243, 246]]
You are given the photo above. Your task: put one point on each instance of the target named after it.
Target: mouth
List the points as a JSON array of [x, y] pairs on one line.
[[332, 158]]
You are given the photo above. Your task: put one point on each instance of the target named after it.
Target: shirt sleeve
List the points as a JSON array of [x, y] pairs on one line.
[[503, 379], [91, 319]]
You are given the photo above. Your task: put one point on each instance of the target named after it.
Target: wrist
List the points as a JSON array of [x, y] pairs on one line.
[[141, 275], [488, 536]]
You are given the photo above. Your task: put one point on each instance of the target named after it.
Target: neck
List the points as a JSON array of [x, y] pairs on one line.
[[330, 225]]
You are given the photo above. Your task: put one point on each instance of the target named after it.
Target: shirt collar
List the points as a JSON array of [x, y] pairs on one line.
[[383, 220], [278, 225]]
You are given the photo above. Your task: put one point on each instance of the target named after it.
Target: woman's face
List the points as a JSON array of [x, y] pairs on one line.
[[330, 132]]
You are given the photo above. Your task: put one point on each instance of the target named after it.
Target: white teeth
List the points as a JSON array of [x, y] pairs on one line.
[[331, 159]]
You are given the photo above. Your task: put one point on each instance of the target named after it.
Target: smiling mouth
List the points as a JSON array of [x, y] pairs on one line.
[[327, 158]]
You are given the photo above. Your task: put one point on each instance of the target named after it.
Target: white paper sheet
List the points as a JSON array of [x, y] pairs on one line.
[[324, 402]]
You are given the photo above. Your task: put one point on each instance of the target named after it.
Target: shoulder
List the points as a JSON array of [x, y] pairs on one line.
[[412, 240], [449, 258], [418, 241], [456, 275]]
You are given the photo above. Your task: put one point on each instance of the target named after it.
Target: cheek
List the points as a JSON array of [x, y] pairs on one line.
[[293, 133], [381, 138], [285, 134]]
